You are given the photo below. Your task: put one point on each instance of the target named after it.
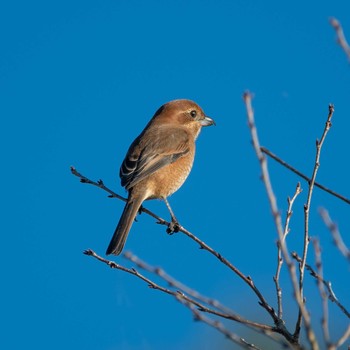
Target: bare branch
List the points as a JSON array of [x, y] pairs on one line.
[[278, 222], [333, 228], [341, 40], [247, 279], [331, 295], [296, 171], [218, 325], [230, 316], [198, 316], [319, 144], [112, 194], [279, 250], [323, 294], [198, 308], [172, 282], [342, 339]]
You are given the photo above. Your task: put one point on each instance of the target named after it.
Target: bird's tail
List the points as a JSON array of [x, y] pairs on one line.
[[126, 220]]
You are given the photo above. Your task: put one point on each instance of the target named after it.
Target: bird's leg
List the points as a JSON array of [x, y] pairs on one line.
[[174, 225], [139, 211]]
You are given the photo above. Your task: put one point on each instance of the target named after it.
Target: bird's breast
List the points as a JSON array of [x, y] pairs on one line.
[[170, 178]]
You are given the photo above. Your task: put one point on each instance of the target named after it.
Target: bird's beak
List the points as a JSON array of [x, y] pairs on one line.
[[207, 121]]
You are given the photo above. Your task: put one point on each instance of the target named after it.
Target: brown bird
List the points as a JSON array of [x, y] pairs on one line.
[[158, 162]]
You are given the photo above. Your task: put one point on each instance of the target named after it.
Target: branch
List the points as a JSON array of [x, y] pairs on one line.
[[112, 194], [278, 221], [341, 40], [319, 144], [322, 291], [328, 285], [279, 250], [342, 339], [296, 171], [247, 279], [187, 300], [321, 286], [333, 228], [172, 282], [218, 326]]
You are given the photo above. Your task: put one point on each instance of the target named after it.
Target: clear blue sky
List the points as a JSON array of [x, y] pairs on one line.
[[78, 82]]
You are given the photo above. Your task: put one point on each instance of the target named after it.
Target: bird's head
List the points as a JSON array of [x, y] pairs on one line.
[[185, 113]]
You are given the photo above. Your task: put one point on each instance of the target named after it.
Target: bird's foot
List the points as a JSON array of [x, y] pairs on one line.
[[173, 227]]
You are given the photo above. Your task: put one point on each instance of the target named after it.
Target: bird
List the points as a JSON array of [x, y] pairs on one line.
[[158, 162]]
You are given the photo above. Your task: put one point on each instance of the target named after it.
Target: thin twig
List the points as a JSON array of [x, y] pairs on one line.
[[218, 326], [198, 308], [247, 279], [181, 297], [323, 294], [342, 339], [112, 194], [333, 228], [172, 282], [319, 144], [263, 328], [331, 295], [303, 176], [278, 221], [279, 251], [341, 40]]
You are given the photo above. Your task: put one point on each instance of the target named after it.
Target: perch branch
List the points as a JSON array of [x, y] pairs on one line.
[[247, 279], [112, 194]]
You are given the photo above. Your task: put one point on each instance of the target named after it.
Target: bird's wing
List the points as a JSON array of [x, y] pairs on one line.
[[151, 151]]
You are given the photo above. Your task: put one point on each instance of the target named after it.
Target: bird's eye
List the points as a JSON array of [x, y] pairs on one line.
[[193, 113]]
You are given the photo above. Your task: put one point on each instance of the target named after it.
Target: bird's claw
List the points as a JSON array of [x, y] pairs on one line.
[[173, 227]]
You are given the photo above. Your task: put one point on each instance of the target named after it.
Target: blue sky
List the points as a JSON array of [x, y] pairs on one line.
[[78, 82]]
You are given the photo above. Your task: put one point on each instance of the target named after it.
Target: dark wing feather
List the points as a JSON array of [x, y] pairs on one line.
[[152, 150]]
